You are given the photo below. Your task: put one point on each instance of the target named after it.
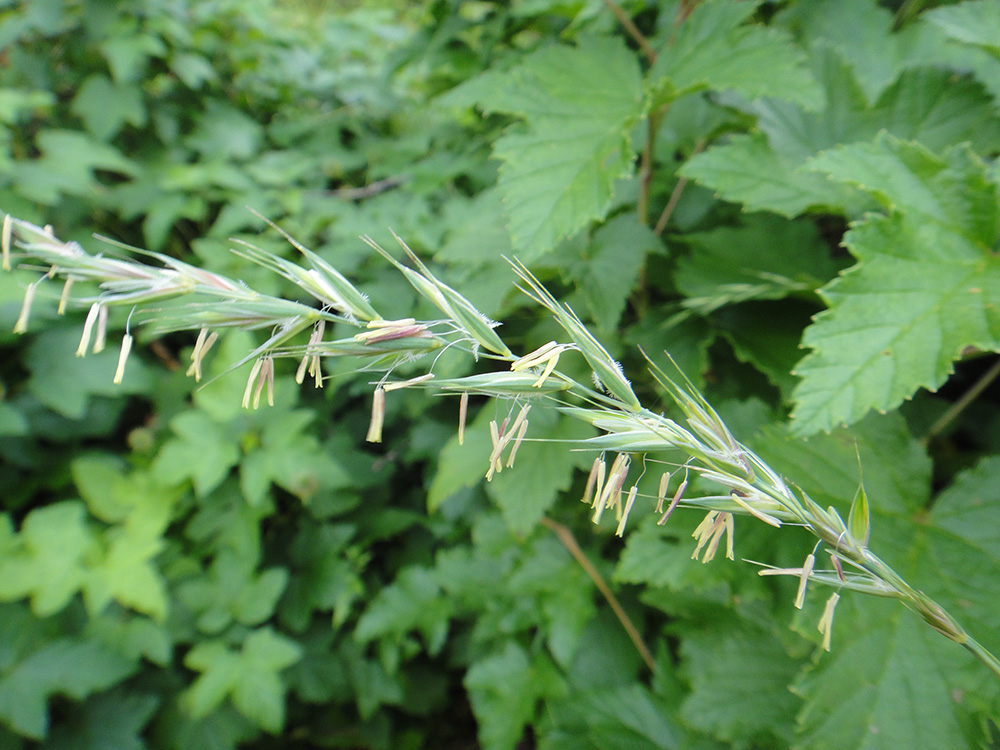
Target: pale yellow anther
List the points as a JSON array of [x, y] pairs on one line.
[[592, 479], [661, 493], [122, 358], [201, 347], [628, 506], [710, 532], [517, 443], [599, 485], [546, 356], [673, 503], [21, 326], [807, 570], [5, 241], [536, 358], [254, 371], [266, 377], [398, 384], [401, 323], [502, 436], [463, 410], [825, 626], [88, 327], [495, 465], [755, 512], [378, 417], [64, 297], [616, 478], [310, 360], [388, 330], [101, 334]]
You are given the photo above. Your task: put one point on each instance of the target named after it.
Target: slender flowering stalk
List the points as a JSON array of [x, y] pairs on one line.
[[745, 484]]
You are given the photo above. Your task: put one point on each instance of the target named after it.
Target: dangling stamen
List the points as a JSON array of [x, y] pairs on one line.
[[64, 297], [101, 337], [807, 570], [628, 506], [826, 621], [88, 327], [591, 479], [122, 357], [463, 410], [673, 503], [21, 326], [378, 416], [254, 371], [5, 242]]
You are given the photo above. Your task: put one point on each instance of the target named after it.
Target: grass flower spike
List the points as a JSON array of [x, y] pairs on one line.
[[731, 479]]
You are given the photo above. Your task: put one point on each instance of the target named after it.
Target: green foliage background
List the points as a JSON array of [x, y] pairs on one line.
[[798, 200]]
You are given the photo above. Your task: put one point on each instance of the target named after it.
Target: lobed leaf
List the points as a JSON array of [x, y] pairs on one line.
[[764, 170], [926, 285], [713, 48], [975, 22], [558, 171]]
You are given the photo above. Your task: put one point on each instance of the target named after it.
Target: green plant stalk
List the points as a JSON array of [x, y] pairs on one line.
[[749, 486]]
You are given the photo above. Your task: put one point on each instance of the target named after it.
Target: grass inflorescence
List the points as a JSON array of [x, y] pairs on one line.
[[745, 484]]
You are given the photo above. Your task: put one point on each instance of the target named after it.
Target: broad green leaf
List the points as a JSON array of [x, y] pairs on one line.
[[953, 189], [71, 667], [106, 107], [885, 685], [740, 677], [127, 54], [67, 384], [193, 69], [127, 573], [713, 48], [135, 637], [112, 720], [203, 451], [975, 22], [414, 601], [557, 590], [766, 335], [765, 170], [251, 676], [609, 267], [225, 132], [963, 535], [321, 576], [748, 170], [625, 717], [558, 170], [48, 560], [862, 32], [66, 166], [260, 693], [544, 466], [764, 258], [925, 287], [289, 457], [505, 689], [232, 590], [931, 105], [373, 686], [888, 672]]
